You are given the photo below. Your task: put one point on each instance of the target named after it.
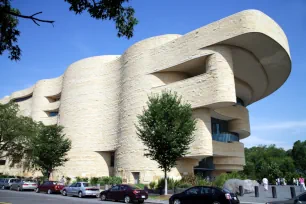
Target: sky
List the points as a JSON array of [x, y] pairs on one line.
[[47, 51]]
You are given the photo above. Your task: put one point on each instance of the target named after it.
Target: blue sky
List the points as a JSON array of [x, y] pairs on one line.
[[47, 51]]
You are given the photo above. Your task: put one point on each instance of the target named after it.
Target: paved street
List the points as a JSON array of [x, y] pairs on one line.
[[27, 197]]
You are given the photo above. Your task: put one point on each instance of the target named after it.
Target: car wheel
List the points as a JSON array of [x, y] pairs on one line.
[[37, 190], [49, 191], [11, 188], [2, 187], [103, 197], [18, 188], [177, 201], [141, 201], [80, 194], [127, 199], [216, 202], [64, 193]]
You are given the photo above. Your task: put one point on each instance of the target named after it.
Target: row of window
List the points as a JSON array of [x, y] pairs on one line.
[[22, 99]]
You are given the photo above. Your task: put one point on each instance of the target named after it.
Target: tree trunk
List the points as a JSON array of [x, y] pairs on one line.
[[166, 183]]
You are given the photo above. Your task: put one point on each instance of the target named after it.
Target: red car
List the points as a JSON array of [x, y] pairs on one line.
[[50, 187], [124, 192]]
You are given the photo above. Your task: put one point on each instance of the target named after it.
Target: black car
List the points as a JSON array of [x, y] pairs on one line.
[[204, 194], [124, 193], [300, 199]]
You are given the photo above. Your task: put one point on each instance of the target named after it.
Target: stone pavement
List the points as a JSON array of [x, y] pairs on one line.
[[283, 193]]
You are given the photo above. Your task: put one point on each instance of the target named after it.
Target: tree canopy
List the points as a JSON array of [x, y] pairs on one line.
[[166, 128], [299, 155], [270, 162], [16, 133], [49, 149], [98, 9]]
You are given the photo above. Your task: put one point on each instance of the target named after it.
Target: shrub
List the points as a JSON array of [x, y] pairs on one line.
[[221, 179], [152, 185], [94, 181], [139, 186]]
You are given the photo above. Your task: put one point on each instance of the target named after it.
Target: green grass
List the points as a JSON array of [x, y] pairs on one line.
[[159, 197]]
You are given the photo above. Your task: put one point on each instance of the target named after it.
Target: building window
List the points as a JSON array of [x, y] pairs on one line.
[[54, 98], [112, 163], [239, 101], [22, 99], [2, 162], [220, 132]]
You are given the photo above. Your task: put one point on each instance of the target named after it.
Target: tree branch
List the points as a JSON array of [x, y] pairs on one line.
[[30, 17]]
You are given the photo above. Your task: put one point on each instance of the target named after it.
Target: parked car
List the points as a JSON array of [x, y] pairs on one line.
[[50, 187], [300, 199], [7, 182], [204, 194], [126, 193], [24, 184], [80, 189]]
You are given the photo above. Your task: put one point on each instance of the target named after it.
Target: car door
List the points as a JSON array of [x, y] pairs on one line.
[[192, 196], [77, 188], [43, 186], [302, 199], [69, 189], [113, 193], [206, 195]]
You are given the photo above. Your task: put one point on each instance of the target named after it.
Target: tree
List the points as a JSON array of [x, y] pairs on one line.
[[49, 149], [299, 156], [268, 161], [166, 128], [98, 9], [15, 133]]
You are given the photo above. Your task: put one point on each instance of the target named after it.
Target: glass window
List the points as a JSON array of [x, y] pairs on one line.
[[193, 191], [206, 190], [86, 184], [22, 99], [52, 114], [220, 132], [73, 185], [78, 185], [123, 188], [115, 188], [2, 162], [239, 101], [112, 164]]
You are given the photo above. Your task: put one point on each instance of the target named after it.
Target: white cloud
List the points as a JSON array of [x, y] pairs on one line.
[[281, 125]]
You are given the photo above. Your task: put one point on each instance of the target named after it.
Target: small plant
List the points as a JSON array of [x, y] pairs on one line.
[[139, 186], [94, 181], [152, 185]]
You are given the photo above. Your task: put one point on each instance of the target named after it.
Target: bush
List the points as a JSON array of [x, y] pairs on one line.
[[139, 186], [220, 180], [152, 185], [81, 179], [94, 181]]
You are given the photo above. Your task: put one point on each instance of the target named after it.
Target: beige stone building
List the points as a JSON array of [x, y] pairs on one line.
[[219, 69]]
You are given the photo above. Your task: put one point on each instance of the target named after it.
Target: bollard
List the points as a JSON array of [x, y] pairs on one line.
[[240, 190], [274, 194], [292, 190], [256, 191]]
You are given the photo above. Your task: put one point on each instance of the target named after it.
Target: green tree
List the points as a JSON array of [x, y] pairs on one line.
[[268, 161], [15, 133], [166, 128], [98, 9], [299, 156], [49, 149]]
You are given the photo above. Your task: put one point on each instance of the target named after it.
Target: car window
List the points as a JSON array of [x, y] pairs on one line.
[[78, 185], [206, 190], [123, 188], [73, 185], [86, 184], [193, 191], [302, 197], [115, 188]]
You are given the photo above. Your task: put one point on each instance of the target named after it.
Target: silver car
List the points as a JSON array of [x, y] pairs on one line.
[[25, 184], [6, 183], [80, 189]]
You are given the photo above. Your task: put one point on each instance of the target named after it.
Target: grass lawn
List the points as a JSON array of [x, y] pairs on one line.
[[159, 197]]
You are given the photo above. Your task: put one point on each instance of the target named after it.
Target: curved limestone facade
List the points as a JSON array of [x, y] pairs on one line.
[[219, 69]]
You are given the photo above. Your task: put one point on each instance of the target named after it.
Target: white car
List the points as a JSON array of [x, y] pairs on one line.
[[80, 189], [21, 185]]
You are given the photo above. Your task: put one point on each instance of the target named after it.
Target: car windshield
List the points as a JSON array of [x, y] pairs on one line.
[[226, 190], [28, 181]]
